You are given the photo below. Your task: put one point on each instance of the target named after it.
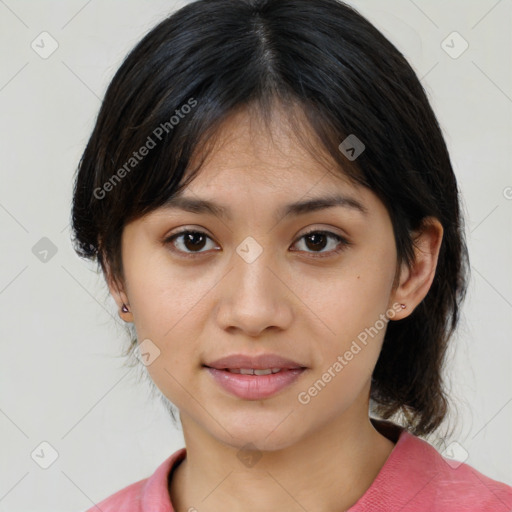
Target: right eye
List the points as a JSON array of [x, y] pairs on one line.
[[187, 240]]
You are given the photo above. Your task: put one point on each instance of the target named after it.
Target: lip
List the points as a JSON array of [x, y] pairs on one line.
[[259, 362], [255, 387]]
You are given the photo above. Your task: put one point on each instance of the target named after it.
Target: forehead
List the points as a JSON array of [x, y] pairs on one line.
[[277, 155], [253, 168]]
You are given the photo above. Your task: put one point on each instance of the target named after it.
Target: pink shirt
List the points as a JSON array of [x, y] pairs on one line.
[[414, 478]]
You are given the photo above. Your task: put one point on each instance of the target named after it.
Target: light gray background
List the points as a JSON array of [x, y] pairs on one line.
[[61, 378]]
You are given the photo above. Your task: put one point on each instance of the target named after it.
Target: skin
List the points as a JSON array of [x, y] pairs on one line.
[[319, 456]]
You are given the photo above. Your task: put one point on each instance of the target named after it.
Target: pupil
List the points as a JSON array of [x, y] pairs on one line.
[[193, 237], [316, 242]]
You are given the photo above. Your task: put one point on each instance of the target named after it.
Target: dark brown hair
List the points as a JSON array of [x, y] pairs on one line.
[[214, 57]]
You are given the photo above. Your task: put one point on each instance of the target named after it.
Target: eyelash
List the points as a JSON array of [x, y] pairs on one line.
[[344, 243]]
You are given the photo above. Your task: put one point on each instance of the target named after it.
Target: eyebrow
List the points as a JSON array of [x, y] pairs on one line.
[[195, 205]]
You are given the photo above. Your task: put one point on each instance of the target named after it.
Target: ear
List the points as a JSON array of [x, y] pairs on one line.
[[118, 293], [414, 282]]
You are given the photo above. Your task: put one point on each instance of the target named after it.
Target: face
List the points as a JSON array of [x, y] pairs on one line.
[[312, 286]]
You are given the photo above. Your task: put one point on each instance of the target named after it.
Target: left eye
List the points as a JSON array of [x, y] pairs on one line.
[[319, 240], [194, 241]]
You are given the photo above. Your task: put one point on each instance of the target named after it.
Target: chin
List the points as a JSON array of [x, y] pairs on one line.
[[270, 433]]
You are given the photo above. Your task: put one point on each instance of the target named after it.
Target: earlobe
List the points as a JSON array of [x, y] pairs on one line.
[[119, 295], [123, 305], [125, 313], [415, 281]]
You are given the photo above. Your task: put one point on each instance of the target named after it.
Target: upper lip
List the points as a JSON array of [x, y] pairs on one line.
[[260, 362]]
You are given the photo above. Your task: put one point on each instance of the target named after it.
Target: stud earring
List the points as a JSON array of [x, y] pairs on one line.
[[403, 306], [124, 308]]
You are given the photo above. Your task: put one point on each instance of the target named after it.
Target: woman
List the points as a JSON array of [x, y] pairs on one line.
[[270, 198]]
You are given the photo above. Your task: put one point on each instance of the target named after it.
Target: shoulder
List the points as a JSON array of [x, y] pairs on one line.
[[417, 478], [459, 484], [450, 485], [148, 494], [128, 499]]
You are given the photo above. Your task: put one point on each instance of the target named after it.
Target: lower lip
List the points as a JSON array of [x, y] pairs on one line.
[[255, 387]]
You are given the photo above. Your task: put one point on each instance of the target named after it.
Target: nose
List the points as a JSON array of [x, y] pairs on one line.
[[254, 296]]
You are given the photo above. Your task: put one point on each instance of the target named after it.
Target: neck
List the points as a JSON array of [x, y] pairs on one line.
[[326, 471]]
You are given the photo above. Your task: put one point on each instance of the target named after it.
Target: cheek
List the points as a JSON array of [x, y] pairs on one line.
[[167, 310], [371, 283], [176, 363], [336, 389], [355, 295], [347, 360], [161, 295], [353, 304]]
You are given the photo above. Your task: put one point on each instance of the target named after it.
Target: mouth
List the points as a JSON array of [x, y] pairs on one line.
[[255, 371], [254, 383], [252, 363]]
